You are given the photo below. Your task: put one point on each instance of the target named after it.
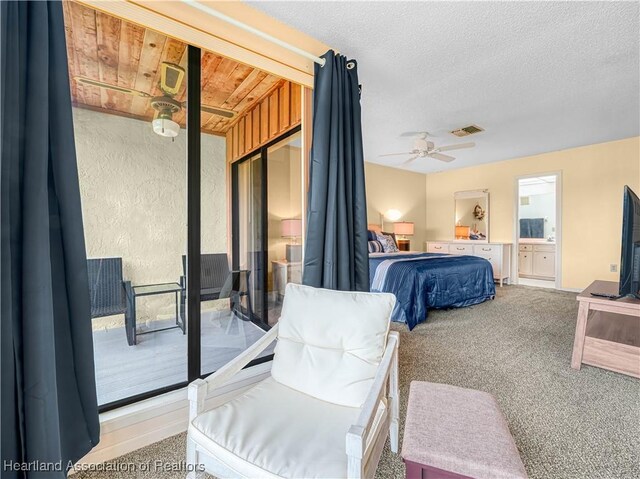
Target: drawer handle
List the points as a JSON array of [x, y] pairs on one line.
[[460, 249], [544, 257], [486, 249], [437, 247]]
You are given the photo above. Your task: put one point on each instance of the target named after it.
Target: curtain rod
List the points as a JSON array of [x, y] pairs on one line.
[[255, 31]]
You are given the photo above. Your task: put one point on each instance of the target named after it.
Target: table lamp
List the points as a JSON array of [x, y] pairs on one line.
[[404, 229], [463, 232], [292, 228]]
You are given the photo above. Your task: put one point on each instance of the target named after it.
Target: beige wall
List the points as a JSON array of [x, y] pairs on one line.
[[133, 191], [392, 188], [592, 181]]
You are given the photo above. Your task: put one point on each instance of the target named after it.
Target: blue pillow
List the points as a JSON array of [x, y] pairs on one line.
[[375, 247], [371, 235]]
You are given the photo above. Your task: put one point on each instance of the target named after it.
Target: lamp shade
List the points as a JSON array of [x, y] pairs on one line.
[[291, 228], [463, 232], [404, 228]]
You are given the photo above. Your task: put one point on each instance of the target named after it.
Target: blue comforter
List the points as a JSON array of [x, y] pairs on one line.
[[425, 281]]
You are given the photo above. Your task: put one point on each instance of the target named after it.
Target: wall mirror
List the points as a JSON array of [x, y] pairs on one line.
[[471, 222]]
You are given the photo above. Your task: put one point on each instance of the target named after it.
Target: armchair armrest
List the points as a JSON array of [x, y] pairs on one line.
[[358, 432], [199, 388]]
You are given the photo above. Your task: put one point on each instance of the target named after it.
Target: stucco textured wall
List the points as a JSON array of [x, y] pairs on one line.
[[133, 190]]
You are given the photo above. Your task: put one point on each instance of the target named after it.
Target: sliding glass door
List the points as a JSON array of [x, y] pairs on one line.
[[267, 224], [181, 281]]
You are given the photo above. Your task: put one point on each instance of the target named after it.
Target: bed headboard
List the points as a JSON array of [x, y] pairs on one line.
[[374, 227]]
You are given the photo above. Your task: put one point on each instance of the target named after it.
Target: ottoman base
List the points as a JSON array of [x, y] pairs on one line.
[[421, 471]]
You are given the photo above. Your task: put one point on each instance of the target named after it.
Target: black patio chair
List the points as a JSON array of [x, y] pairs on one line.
[[108, 290], [218, 282]]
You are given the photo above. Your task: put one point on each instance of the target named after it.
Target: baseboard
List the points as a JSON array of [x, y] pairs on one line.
[[571, 290], [132, 427]]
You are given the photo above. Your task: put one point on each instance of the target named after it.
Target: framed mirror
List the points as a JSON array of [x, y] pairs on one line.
[[471, 222]]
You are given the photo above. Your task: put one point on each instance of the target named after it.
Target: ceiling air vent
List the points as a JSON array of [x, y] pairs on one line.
[[467, 130]]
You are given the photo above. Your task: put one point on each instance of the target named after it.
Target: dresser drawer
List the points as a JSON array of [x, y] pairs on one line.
[[526, 247], [495, 260], [550, 248], [483, 249], [437, 248], [457, 248]]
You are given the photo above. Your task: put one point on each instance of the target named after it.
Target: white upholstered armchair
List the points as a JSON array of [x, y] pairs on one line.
[[327, 407]]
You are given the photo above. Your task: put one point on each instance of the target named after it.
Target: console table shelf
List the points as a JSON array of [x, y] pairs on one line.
[[607, 331]]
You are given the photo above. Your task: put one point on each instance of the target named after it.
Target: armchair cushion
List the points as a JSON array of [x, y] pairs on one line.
[[330, 343], [272, 431]]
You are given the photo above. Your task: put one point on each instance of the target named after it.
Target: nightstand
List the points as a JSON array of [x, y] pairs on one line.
[[285, 272], [404, 244]]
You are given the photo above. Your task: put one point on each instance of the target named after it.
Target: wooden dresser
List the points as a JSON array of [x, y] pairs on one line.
[[498, 254]]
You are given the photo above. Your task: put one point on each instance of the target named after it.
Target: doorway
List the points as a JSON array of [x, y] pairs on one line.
[[538, 230]]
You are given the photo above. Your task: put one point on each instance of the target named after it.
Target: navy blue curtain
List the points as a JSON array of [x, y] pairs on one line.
[[48, 391], [336, 255]]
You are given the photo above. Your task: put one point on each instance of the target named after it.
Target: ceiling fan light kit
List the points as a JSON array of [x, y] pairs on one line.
[[166, 127]]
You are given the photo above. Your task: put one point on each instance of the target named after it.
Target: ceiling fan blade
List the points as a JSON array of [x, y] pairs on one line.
[[455, 147], [120, 89], [218, 111], [410, 160], [171, 76], [215, 110], [399, 154], [441, 157]]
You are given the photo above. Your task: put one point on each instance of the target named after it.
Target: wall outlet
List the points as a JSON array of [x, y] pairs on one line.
[[613, 268]]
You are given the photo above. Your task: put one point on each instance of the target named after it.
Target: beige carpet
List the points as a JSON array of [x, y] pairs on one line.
[[567, 424]]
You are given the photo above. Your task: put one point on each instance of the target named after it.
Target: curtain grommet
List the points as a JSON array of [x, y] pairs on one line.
[[351, 65]]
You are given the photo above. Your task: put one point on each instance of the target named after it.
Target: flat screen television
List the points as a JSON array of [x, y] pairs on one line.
[[630, 261]]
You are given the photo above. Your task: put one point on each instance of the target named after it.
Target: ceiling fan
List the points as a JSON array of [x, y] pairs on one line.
[[426, 149], [165, 105]]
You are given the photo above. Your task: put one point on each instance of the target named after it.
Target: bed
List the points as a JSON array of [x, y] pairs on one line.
[[424, 281]]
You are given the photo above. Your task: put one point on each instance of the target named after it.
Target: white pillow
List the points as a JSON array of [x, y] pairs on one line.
[[331, 342]]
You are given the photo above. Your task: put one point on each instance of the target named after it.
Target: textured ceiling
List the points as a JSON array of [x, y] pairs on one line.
[[538, 77]]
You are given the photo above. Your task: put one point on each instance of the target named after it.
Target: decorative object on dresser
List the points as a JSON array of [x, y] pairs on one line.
[[292, 228], [403, 228], [285, 272], [537, 260], [498, 254], [607, 332], [456, 433]]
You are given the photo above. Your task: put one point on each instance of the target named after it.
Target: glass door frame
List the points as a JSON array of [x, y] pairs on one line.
[[263, 152]]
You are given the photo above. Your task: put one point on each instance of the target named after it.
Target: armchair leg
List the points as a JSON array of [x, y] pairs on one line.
[[193, 466]]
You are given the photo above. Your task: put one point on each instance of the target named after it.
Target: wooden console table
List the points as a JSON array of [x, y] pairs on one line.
[[607, 331]]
